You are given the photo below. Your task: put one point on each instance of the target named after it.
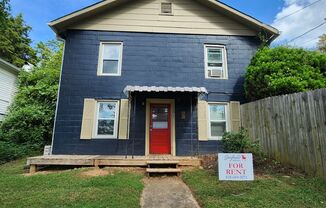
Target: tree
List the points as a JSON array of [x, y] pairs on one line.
[[322, 43], [14, 37], [29, 123], [283, 70]]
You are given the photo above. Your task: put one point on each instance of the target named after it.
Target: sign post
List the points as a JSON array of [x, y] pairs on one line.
[[235, 167]]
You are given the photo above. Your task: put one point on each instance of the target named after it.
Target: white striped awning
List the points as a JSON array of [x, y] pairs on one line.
[[129, 88]]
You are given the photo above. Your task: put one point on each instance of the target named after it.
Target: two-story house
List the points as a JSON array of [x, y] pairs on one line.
[[149, 77]]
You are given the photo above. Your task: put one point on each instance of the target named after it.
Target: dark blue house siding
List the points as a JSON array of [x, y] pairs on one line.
[[148, 59]]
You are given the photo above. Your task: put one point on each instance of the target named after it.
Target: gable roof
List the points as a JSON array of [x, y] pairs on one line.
[[61, 24]]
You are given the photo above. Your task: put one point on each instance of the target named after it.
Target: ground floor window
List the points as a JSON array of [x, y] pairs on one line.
[[106, 123], [218, 120]]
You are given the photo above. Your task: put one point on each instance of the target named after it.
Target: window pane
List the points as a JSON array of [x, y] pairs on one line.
[[110, 67], [217, 112], [107, 110], [105, 127], [111, 51], [210, 64], [218, 128], [214, 55], [160, 113], [160, 124]]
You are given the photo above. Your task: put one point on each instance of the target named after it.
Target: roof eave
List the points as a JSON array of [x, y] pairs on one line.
[[253, 22], [59, 24], [9, 66]]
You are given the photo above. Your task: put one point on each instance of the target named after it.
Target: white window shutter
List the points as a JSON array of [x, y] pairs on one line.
[[235, 115], [202, 108], [124, 119], [88, 119]]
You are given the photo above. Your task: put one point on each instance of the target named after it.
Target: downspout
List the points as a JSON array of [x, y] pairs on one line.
[[191, 137], [57, 103], [197, 125]]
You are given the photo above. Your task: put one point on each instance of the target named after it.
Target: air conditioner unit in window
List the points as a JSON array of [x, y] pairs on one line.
[[215, 73]]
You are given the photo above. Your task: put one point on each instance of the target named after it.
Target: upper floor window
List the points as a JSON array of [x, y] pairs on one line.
[[218, 120], [106, 123], [215, 62], [110, 59]]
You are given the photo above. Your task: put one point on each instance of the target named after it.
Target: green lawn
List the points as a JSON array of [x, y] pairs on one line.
[[268, 190], [122, 189], [67, 189]]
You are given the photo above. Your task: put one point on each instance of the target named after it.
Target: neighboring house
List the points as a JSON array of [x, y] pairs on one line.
[[152, 76], [8, 85]]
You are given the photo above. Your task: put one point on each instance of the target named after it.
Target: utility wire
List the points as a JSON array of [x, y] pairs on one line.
[[309, 41], [297, 10], [318, 26]]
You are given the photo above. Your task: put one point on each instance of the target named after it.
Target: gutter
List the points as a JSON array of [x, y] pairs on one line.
[[9, 66]]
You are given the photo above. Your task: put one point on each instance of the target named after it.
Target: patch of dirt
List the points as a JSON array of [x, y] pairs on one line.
[[93, 172], [127, 169], [266, 166], [263, 166], [209, 161], [96, 172]]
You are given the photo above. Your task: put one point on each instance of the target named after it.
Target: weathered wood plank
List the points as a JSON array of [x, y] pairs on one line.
[[32, 169], [106, 160], [291, 128]]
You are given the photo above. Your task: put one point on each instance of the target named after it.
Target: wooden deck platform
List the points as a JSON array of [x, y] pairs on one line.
[[107, 160]]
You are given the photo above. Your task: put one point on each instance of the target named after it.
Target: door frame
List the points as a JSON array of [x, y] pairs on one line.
[[150, 101]]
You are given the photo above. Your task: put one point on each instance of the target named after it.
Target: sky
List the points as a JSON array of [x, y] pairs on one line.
[[37, 13]]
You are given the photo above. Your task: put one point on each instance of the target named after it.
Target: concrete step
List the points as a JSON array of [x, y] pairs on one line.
[[163, 170]]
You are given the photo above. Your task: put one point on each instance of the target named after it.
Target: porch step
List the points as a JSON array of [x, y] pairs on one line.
[[163, 162], [163, 170], [162, 167]]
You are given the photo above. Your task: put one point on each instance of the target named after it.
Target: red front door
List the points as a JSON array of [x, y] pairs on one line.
[[160, 129]]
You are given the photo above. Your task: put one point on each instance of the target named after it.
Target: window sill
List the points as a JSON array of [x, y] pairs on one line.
[[101, 137], [216, 78], [109, 75], [215, 139], [166, 14]]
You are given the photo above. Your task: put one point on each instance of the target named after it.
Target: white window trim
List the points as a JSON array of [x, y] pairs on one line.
[[100, 59], [224, 59], [116, 120], [227, 116], [160, 9]]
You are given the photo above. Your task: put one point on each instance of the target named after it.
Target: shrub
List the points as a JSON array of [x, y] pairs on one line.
[[9, 151], [240, 142], [283, 70], [28, 125]]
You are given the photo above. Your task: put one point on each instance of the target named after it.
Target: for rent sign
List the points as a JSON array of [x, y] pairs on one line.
[[235, 167]]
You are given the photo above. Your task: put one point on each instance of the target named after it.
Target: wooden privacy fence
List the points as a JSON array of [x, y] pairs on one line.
[[291, 128]]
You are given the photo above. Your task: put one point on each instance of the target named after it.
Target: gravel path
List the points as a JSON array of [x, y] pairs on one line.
[[167, 192]]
